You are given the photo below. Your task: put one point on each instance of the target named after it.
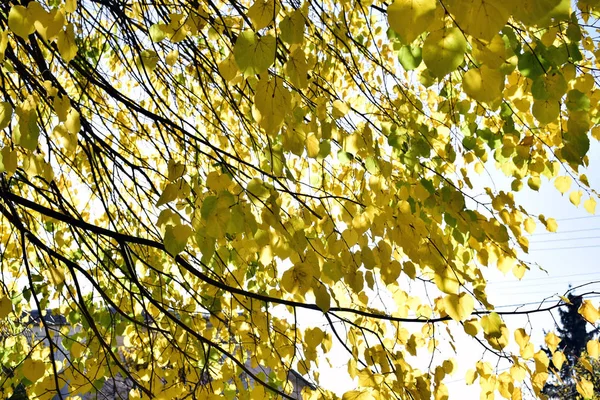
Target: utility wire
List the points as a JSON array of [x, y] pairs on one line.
[[564, 240], [569, 231], [567, 248]]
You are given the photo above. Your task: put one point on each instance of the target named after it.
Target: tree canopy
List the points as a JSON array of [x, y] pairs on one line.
[[179, 179]]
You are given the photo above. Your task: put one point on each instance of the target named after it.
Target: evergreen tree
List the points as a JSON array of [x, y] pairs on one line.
[[574, 337]]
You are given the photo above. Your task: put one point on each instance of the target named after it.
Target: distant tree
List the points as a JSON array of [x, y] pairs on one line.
[[574, 337]]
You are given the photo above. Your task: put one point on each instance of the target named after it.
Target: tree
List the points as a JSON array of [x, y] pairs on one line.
[[574, 338], [181, 178]]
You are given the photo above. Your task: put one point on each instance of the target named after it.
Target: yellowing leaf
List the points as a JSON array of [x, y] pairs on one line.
[[589, 312], [5, 307], [575, 197], [312, 146], [169, 194], [529, 225], [297, 68], [292, 27], [492, 324], [458, 307], [33, 370], [483, 84], [443, 51], [531, 11], [492, 53], [66, 43], [585, 388], [590, 205], [271, 101], [593, 348], [546, 111], [552, 341], [257, 189], [470, 376], [262, 13], [410, 18], [481, 19], [72, 122], [322, 297], [176, 238], [6, 111], [297, 279], [563, 183], [253, 54], [47, 24], [157, 32], [20, 22], [8, 160], [558, 358]]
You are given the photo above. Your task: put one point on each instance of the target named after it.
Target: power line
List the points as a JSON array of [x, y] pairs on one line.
[[544, 278], [564, 240], [567, 248], [569, 231], [574, 218]]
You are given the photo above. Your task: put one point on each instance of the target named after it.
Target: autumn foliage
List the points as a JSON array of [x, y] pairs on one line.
[[181, 179]]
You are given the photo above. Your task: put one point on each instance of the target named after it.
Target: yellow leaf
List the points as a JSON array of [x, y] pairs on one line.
[[592, 347], [8, 160], [297, 68], [271, 101], [253, 54], [552, 341], [410, 18], [322, 297], [66, 43], [33, 370], [590, 205], [589, 312], [20, 21], [6, 111], [563, 183], [72, 123], [470, 376], [262, 13], [529, 225], [5, 307], [492, 324], [471, 327], [169, 194], [492, 53], [575, 197], [481, 19], [312, 146], [585, 388], [443, 51], [558, 359], [506, 263], [459, 307], [483, 84]]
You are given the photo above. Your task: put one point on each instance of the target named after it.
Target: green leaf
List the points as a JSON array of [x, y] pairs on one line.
[[443, 51], [410, 57], [176, 238], [292, 27], [254, 55]]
